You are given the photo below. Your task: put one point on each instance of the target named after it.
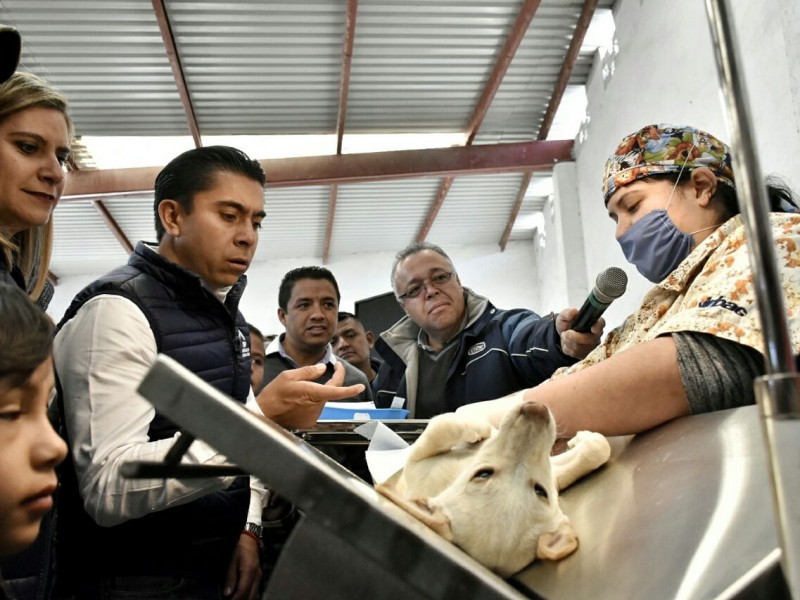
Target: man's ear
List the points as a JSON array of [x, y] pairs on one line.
[[704, 183], [370, 339], [282, 316], [170, 213]]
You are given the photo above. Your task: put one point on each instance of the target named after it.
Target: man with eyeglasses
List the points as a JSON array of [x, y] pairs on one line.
[[454, 347]]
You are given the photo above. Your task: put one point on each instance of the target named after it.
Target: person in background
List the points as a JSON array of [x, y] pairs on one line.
[[354, 344], [169, 538], [35, 136], [256, 357], [308, 305], [455, 347], [695, 343], [10, 50], [30, 448]]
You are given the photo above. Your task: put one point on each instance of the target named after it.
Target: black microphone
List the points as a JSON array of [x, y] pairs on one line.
[[608, 286], [43, 301]]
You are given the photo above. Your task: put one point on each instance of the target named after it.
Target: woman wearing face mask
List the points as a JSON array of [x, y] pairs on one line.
[[694, 345], [35, 136]]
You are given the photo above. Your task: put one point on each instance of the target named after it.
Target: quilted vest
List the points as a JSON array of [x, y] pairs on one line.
[[195, 539]]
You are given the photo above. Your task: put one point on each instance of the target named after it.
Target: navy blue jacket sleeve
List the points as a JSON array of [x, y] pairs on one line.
[[534, 345]]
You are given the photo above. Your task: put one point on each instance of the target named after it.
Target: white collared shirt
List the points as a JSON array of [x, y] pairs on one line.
[[276, 345]]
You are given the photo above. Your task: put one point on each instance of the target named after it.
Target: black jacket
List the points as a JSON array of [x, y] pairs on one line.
[[499, 352]]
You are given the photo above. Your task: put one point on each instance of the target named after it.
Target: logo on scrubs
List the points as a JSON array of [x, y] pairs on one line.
[[479, 347], [723, 303]]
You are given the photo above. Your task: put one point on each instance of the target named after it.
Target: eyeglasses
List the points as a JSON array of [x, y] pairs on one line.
[[437, 281]]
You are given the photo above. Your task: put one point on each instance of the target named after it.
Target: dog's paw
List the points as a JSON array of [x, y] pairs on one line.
[[592, 445], [584, 437], [476, 430]]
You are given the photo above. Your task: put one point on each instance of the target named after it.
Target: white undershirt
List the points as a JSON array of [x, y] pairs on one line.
[[101, 356]]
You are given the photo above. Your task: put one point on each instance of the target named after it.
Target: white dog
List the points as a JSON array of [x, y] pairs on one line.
[[494, 493]]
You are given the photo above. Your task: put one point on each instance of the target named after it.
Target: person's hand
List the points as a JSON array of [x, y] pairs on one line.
[[243, 579], [573, 343], [293, 400]]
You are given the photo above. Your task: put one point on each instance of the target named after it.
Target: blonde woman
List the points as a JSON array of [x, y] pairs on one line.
[[35, 135]]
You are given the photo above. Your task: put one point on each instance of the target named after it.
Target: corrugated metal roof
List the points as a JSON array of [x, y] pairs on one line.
[[267, 67]]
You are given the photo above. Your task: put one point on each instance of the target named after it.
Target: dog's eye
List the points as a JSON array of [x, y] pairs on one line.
[[540, 491], [483, 474]]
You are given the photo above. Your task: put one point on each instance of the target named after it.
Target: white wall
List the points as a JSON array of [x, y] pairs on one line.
[[561, 273], [665, 71], [507, 278]]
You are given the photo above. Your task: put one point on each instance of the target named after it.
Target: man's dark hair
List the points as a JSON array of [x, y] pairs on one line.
[[256, 330], [346, 315], [287, 284], [195, 171], [26, 337], [410, 250]]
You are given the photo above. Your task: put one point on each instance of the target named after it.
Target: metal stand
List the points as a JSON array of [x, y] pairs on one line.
[[777, 392], [350, 541]]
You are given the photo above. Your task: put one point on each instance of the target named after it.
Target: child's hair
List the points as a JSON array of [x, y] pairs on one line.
[[26, 336]]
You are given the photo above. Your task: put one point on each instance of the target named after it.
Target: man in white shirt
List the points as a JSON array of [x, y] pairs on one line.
[[192, 538]]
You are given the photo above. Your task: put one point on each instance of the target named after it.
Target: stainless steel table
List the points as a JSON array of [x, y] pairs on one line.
[[684, 511]]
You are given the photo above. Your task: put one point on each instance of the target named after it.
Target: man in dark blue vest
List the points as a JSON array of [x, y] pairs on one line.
[[195, 538]]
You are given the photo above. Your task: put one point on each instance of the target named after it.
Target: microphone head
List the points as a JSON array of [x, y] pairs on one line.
[[610, 284]]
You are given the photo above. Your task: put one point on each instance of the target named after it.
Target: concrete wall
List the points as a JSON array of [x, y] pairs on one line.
[[560, 262]]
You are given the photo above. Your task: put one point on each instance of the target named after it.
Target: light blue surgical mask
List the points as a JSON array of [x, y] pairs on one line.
[[655, 246]]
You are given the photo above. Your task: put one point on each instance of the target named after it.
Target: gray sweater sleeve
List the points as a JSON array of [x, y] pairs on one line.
[[716, 373]]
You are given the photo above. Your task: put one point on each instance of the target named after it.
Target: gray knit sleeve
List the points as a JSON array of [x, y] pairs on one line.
[[716, 373]]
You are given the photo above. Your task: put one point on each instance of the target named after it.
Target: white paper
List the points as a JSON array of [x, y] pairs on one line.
[[387, 452]]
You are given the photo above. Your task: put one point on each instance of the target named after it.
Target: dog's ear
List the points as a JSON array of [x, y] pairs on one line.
[[420, 509], [433, 517], [557, 544]]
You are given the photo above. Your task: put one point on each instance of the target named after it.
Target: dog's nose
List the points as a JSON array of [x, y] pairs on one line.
[[534, 409]]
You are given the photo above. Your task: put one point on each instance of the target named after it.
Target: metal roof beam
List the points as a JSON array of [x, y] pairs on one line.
[[515, 37], [344, 89], [584, 20], [326, 249], [351, 168], [112, 224], [177, 69], [512, 218], [433, 211], [347, 59]]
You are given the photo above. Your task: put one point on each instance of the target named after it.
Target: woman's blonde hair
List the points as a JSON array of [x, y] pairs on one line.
[[30, 249]]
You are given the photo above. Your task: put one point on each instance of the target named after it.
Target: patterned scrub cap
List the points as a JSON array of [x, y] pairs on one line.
[[665, 148]]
